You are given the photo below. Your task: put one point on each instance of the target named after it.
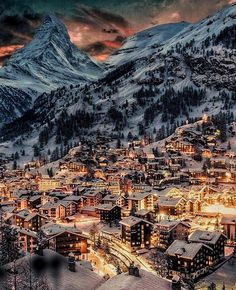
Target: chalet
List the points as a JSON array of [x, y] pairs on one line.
[[92, 197], [171, 205], [135, 232], [18, 218], [176, 160], [168, 231], [141, 200], [89, 210], [4, 192], [108, 212], [219, 173], [232, 164], [191, 260], [74, 166], [218, 162], [197, 173], [58, 210], [206, 189], [34, 221], [27, 239], [65, 240], [49, 183], [233, 175], [214, 240], [206, 153], [78, 200], [145, 214], [113, 200], [68, 242], [70, 207], [114, 187], [193, 205], [22, 202], [181, 146], [34, 201], [229, 224]]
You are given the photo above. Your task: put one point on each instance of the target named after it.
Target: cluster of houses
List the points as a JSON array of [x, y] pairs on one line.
[[147, 193]]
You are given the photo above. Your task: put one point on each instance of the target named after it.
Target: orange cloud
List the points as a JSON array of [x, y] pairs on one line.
[[101, 57], [112, 44], [8, 50]]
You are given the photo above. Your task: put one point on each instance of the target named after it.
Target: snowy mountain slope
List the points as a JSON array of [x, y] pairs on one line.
[[49, 61], [152, 92], [206, 28], [142, 43], [13, 102]]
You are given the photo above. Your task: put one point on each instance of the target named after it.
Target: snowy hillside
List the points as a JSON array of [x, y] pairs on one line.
[[144, 42], [49, 61], [164, 80]]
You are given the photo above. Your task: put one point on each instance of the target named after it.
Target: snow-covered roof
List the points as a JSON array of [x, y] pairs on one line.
[[171, 224], [132, 220], [83, 278], [169, 201], [205, 237], [105, 206], [147, 281], [139, 195], [228, 219], [184, 249], [52, 229]]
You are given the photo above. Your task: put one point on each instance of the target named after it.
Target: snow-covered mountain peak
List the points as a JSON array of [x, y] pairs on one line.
[[51, 35], [48, 62]]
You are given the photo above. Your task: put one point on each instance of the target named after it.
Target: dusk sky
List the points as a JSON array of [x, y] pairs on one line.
[[98, 27]]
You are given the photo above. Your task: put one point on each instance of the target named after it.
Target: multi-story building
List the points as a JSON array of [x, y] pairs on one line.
[[74, 166], [190, 260], [114, 200], [135, 232], [171, 205], [229, 224], [108, 212], [166, 232], [92, 197], [48, 184], [214, 240], [34, 221], [65, 240], [27, 239], [69, 242], [60, 209], [141, 200]]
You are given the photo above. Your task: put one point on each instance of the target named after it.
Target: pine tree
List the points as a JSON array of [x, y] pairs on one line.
[[9, 249], [16, 155], [36, 150], [14, 165], [118, 144]]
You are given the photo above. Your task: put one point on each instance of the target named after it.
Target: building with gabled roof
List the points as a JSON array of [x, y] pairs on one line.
[[108, 213], [136, 232], [141, 200], [171, 205], [189, 259], [215, 240], [167, 231]]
